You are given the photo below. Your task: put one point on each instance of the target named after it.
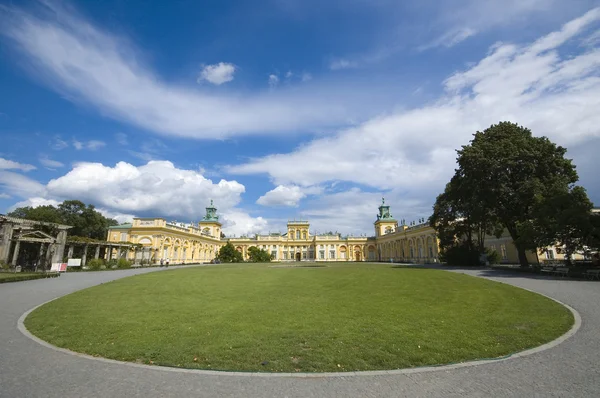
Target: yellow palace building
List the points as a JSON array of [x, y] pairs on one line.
[[200, 242]]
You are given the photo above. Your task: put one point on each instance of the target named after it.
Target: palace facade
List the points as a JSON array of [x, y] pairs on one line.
[[200, 242]]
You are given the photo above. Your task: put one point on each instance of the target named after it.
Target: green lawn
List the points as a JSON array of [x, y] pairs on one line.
[[340, 318]]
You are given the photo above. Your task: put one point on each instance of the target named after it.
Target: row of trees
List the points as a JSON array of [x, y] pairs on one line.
[[85, 219], [507, 179], [228, 254]]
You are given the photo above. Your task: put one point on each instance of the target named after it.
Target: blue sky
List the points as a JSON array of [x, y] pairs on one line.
[[282, 109]]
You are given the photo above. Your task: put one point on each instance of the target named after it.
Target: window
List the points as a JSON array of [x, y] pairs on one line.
[[412, 252], [123, 236], [430, 251], [322, 254], [304, 235], [184, 251], [285, 255], [550, 254], [343, 255], [503, 252], [332, 254], [304, 255], [297, 234], [320, 246], [274, 254]]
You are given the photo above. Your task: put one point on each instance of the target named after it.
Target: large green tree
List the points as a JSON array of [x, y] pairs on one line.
[[563, 218], [257, 255], [462, 221], [228, 254], [511, 175], [85, 219]]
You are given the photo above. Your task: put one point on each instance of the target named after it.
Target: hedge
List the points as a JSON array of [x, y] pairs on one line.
[[18, 277]]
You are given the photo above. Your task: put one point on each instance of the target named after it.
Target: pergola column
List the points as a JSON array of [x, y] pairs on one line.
[[49, 251], [70, 252], [6, 233], [16, 253], [97, 254], [84, 257], [59, 253]]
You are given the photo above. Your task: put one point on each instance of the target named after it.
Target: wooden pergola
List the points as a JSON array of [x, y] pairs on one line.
[[14, 231]]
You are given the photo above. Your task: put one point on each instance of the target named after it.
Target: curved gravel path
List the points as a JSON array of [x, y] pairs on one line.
[[28, 369]]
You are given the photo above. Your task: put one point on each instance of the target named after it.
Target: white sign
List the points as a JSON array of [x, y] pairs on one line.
[[74, 262], [55, 267]]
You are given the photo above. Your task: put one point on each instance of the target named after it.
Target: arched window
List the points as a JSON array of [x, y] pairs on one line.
[[298, 234]]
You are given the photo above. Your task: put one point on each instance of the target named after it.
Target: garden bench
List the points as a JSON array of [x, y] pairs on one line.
[[592, 274], [548, 270], [562, 271]]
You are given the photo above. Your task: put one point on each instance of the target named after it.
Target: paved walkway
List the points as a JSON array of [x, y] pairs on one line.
[[28, 369]]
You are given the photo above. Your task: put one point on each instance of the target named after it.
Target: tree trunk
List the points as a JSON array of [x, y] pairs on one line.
[[522, 257]]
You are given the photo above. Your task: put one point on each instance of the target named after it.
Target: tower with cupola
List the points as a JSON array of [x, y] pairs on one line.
[[385, 223], [210, 224]]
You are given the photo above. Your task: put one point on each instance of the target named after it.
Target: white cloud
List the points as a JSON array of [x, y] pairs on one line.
[[20, 185], [465, 18], [282, 196], [554, 95], [342, 63], [93, 145], [273, 81], [451, 38], [122, 139], [49, 163], [289, 74], [237, 222], [218, 73], [6, 164], [155, 187], [4, 196], [88, 65], [36, 202], [306, 77], [57, 143], [120, 217]]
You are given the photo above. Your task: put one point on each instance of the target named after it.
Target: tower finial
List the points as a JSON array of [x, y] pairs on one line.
[[211, 202], [382, 200]]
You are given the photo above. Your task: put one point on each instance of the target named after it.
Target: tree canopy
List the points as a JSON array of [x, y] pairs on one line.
[[85, 219], [228, 254], [257, 255], [507, 178]]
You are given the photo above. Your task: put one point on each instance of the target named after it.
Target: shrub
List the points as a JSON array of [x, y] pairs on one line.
[[112, 263], [123, 263], [95, 264], [492, 256], [460, 255], [4, 266]]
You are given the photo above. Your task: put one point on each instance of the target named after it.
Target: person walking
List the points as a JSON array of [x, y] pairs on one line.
[[162, 261], [167, 262]]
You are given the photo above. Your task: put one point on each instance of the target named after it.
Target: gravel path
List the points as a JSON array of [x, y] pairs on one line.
[[28, 369]]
